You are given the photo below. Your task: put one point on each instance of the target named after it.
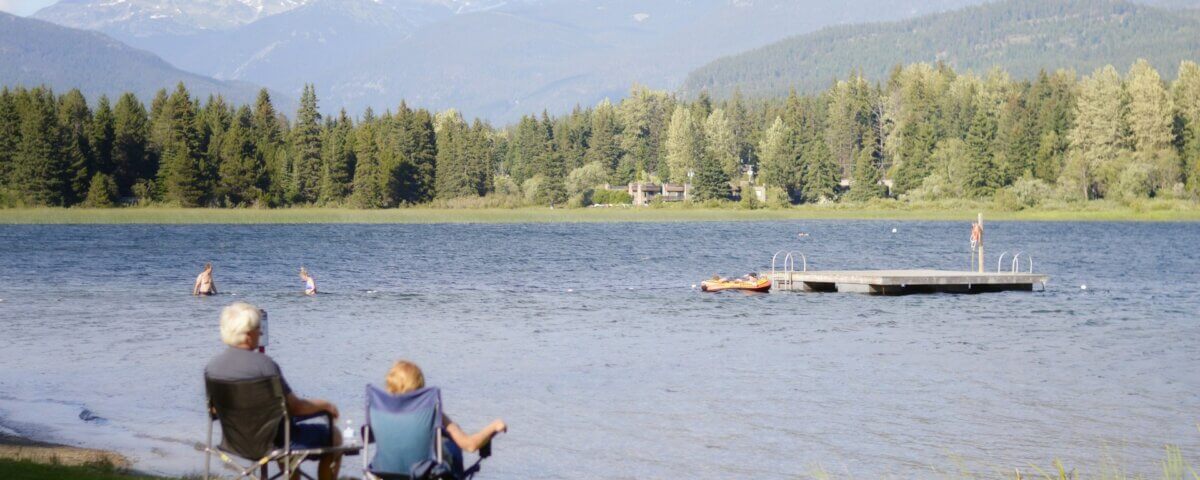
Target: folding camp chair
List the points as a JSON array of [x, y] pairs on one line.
[[255, 425], [407, 433]]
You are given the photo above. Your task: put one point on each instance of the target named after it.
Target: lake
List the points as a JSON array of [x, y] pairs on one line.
[[591, 342]]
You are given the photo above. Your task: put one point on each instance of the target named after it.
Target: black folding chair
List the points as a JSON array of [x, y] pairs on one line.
[[255, 426]]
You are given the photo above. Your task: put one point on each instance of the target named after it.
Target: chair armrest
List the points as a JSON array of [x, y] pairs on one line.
[[302, 418], [328, 421]]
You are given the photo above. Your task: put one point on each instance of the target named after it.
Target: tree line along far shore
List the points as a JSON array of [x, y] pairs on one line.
[[926, 133]]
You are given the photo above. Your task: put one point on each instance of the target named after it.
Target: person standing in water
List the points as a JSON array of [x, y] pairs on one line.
[[204, 282], [310, 283]]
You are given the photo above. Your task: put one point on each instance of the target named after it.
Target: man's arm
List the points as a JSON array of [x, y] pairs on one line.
[[299, 407], [196, 287]]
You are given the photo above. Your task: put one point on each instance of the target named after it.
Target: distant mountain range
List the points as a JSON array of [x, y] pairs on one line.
[[492, 58], [1020, 36], [34, 52], [500, 59]]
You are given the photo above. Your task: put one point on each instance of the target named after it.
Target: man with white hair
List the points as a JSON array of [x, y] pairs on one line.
[[241, 330]]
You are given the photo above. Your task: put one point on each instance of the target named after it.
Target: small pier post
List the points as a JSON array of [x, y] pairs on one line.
[[980, 223]]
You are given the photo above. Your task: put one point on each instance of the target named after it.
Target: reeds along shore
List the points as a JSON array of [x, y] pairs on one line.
[[1093, 211]]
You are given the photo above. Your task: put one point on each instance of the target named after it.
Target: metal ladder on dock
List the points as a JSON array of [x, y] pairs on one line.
[[1013, 267], [783, 278]]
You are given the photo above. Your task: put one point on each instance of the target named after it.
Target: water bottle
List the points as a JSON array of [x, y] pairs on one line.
[[348, 435]]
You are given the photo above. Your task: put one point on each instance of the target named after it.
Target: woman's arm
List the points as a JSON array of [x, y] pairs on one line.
[[472, 443], [196, 287]]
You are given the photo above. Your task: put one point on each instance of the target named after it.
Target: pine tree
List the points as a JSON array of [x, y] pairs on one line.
[[102, 191], [10, 134], [982, 176], [1052, 100], [410, 161], [131, 128], [552, 168], [711, 182], [39, 168], [337, 156], [268, 135], [368, 192], [101, 136], [604, 146], [745, 132], [306, 149], [157, 132], [553, 189], [421, 149], [213, 122], [821, 174], [865, 185], [453, 169], [241, 173], [1017, 139], [571, 135], [74, 121], [180, 174], [530, 142], [702, 107]]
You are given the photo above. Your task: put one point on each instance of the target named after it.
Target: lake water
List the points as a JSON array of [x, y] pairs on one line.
[[590, 341]]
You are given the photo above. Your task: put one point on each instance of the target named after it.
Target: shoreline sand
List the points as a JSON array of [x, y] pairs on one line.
[[21, 448]]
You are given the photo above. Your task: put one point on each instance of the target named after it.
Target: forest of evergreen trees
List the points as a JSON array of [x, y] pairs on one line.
[[934, 133]]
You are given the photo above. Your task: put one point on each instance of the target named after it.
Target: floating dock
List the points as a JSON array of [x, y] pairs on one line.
[[902, 282]]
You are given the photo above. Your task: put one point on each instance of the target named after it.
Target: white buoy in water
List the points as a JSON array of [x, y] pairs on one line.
[[693, 286], [569, 290], [893, 230], [1083, 287]]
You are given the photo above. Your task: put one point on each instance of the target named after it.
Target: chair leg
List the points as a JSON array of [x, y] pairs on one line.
[[262, 472], [208, 453]]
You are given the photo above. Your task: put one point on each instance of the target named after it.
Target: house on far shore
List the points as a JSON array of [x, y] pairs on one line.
[[644, 192]]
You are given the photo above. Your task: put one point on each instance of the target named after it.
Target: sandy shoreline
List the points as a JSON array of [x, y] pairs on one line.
[[16, 447]]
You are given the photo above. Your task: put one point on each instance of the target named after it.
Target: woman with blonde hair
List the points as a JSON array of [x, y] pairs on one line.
[[310, 283], [405, 377]]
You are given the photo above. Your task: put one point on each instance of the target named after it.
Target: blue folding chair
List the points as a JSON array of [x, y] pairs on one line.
[[407, 433]]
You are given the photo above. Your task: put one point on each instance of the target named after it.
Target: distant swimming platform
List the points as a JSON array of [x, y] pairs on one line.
[[903, 282], [793, 275]]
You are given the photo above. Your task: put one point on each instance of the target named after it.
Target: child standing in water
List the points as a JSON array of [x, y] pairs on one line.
[[204, 282], [310, 283]]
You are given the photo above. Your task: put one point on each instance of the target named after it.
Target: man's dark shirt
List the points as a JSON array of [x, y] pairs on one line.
[[236, 364]]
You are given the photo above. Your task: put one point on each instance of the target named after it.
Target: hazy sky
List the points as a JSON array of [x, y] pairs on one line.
[[23, 7]]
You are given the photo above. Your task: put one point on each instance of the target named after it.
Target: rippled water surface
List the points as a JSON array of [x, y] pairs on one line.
[[590, 341]]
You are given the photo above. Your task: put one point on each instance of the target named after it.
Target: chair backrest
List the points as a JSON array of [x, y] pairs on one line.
[[250, 412], [405, 428]]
